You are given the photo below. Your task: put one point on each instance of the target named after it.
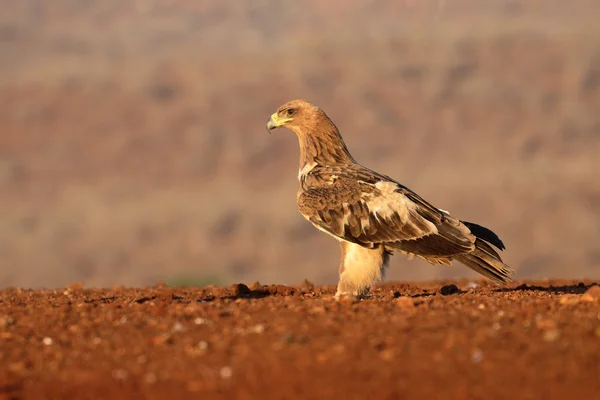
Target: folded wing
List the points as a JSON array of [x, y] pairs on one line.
[[376, 211]]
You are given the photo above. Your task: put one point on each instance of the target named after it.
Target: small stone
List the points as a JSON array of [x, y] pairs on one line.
[[496, 326], [405, 302], [569, 299], [226, 372], [120, 374], [6, 321], [259, 328], [255, 286], [481, 306], [472, 285], [387, 354], [239, 289], [545, 323], [47, 341], [593, 293], [449, 289], [586, 298], [123, 320], [150, 378], [203, 345], [551, 335], [288, 337], [308, 285], [178, 327], [165, 338], [476, 356], [96, 340]]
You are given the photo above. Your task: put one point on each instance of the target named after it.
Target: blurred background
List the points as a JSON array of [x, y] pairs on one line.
[[133, 147]]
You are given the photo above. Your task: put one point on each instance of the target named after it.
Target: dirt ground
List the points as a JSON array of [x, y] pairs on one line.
[[433, 340]]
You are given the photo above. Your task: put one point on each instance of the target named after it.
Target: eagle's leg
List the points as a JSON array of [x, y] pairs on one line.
[[360, 268]]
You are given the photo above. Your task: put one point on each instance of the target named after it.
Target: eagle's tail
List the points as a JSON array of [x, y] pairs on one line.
[[484, 259]]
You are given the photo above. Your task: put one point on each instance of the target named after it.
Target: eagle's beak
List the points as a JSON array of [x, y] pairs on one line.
[[273, 122], [276, 122]]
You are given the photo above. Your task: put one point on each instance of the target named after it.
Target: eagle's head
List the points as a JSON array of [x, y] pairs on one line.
[[296, 115]]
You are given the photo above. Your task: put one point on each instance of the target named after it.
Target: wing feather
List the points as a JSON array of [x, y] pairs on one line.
[[377, 211]]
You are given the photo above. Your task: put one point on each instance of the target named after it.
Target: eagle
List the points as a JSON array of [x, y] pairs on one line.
[[371, 214]]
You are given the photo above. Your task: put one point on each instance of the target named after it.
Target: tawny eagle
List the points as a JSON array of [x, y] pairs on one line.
[[372, 215]]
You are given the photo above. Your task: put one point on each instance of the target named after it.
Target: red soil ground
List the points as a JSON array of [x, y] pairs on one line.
[[433, 340]]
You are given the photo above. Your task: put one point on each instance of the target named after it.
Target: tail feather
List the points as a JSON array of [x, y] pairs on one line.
[[484, 233], [483, 246], [484, 259], [481, 261]]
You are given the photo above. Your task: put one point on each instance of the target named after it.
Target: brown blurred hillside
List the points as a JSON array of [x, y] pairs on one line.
[[133, 146]]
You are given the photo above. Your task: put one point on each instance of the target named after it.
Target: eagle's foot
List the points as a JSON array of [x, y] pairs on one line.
[[346, 297], [346, 291]]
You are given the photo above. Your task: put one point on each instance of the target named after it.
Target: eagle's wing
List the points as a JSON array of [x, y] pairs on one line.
[[369, 209]]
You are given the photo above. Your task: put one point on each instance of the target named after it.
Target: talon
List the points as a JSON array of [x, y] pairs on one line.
[[345, 297]]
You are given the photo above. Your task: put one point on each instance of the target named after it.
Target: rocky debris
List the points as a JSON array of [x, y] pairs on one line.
[[239, 289], [405, 302], [449, 290]]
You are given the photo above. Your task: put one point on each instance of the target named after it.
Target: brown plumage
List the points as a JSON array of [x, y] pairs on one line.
[[371, 214]]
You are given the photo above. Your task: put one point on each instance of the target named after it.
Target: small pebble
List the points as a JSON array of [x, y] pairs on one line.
[[476, 356], [226, 372], [239, 289], [545, 323], [405, 302], [150, 378], [178, 327], [259, 328], [449, 289], [120, 374], [6, 321], [551, 335], [203, 345], [481, 306], [593, 293], [47, 341], [387, 354], [308, 285]]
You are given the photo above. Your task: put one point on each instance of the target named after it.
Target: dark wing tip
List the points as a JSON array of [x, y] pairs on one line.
[[484, 233]]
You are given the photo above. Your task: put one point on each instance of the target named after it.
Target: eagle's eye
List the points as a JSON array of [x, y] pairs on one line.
[[289, 112]]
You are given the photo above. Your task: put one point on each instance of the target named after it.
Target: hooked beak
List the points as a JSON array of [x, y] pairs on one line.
[[275, 122]]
